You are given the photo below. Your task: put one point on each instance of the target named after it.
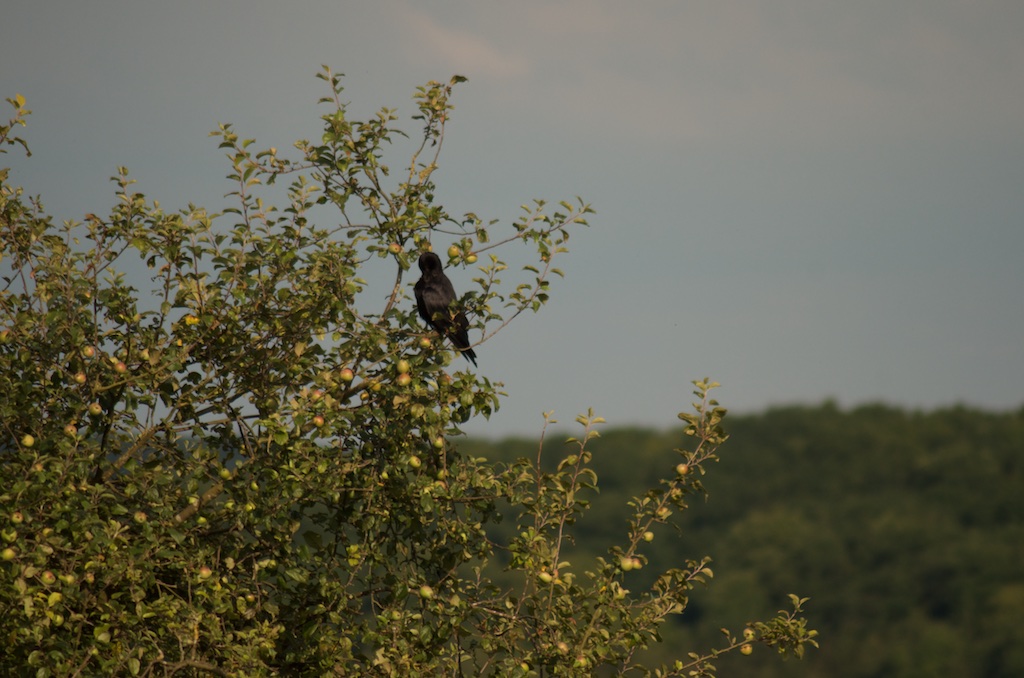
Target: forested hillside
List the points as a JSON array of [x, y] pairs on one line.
[[905, 529]]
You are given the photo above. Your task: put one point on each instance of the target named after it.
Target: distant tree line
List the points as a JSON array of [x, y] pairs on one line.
[[905, 529]]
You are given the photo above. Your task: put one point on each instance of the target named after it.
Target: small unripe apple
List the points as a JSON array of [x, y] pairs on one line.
[[17, 517], [425, 342], [347, 375], [454, 251], [47, 578], [545, 577], [403, 366], [71, 430], [470, 258], [648, 536], [748, 633], [626, 564], [317, 394], [395, 248], [426, 592], [4, 336], [682, 469], [439, 442], [120, 367], [663, 513], [205, 573], [318, 421], [28, 440], [8, 554], [95, 409], [404, 379], [637, 564], [414, 461], [80, 378], [746, 648], [563, 647], [139, 517], [89, 352], [224, 474]]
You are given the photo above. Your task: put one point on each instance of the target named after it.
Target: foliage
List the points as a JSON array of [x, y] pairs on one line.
[[244, 467], [905, 529]]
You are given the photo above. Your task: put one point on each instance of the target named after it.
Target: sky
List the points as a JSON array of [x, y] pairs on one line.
[[800, 199]]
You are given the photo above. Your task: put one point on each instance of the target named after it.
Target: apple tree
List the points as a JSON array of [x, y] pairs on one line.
[[224, 452]]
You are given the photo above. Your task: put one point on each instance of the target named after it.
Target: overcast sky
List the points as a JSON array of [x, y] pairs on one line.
[[800, 199]]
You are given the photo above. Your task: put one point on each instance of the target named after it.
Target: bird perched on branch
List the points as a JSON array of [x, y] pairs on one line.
[[434, 297]]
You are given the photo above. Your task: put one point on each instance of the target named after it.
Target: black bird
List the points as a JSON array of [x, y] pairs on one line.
[[434, 297]]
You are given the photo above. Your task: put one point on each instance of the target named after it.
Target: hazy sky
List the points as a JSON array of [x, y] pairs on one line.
[[799, 199]]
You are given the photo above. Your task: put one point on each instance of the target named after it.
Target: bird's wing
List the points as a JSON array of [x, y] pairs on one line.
[[433, 304]]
